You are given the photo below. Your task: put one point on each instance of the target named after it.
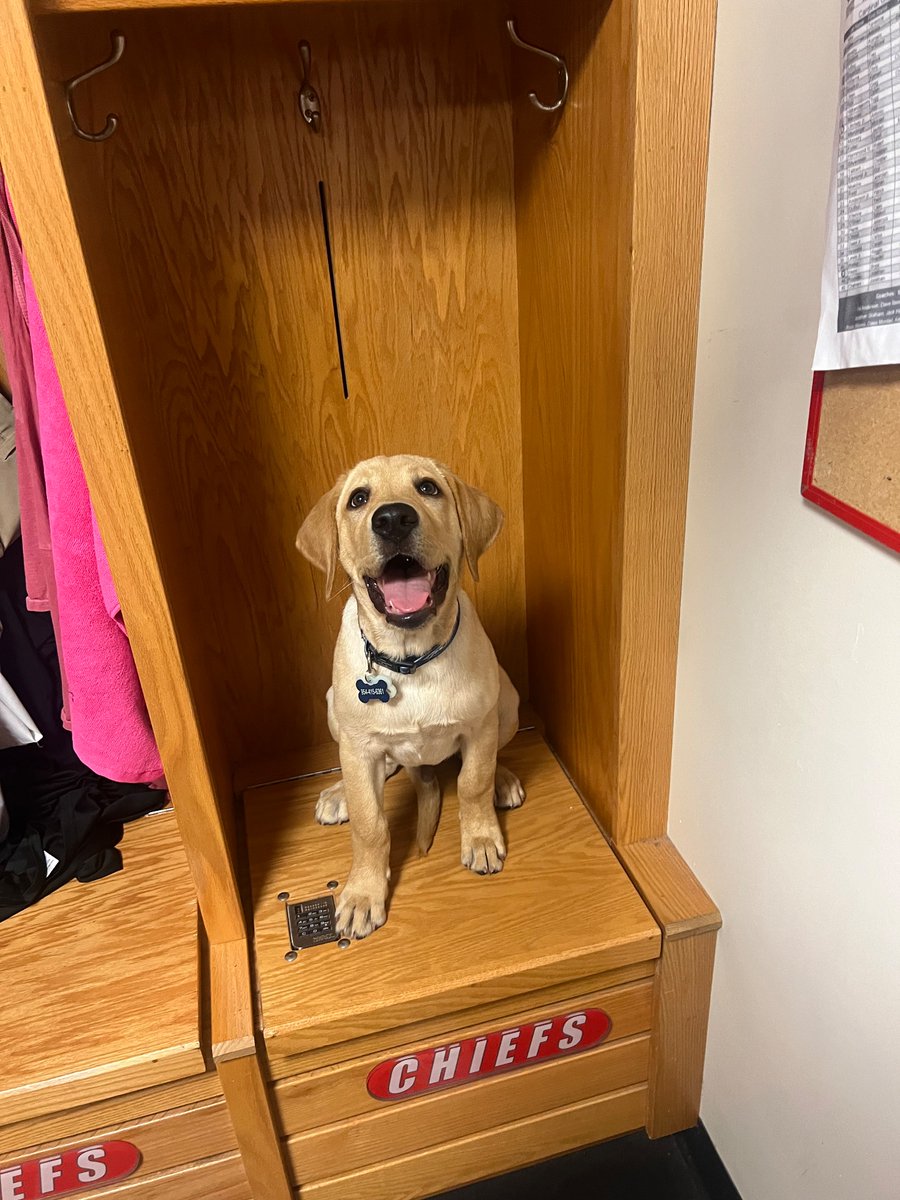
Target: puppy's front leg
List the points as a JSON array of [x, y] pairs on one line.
[[483, 848], [361, 906]]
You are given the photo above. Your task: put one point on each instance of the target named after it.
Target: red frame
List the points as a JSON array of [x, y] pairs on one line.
[[838, 508]]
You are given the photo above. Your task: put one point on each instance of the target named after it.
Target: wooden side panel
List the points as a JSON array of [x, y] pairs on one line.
[[500, 1149], [204, 236], [249, 1105], [689, 921], [331, 1095], [678, 1043], [435, 1120], [609, 217], [674, 66], [195, 764], [572, 213], [166, 1140], [425, 1032], [231, 1001], [65, 1126], [221, 1177]]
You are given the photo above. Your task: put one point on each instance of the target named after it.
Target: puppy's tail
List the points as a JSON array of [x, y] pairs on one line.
[[428, 793]]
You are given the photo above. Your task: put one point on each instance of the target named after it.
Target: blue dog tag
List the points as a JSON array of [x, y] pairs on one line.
[[375, 687]]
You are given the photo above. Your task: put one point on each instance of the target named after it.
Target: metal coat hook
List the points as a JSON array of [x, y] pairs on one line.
[[118, 48], [562, 71], [310, 107]]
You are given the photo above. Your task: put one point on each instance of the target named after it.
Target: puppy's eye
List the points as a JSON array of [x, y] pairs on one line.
[[428, 487], [358, 498]]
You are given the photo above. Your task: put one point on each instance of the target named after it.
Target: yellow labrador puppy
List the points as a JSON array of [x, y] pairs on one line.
[[415, 678]]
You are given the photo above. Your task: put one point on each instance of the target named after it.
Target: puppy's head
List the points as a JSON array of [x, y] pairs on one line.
[[400, 527]]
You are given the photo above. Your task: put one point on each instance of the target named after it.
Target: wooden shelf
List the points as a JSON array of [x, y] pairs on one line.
[[101, 982], [563, 908]]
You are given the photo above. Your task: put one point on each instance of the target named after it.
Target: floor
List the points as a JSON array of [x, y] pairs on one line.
[[683, 1167]]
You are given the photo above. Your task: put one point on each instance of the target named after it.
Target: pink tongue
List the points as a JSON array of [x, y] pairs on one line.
[[406, 595]]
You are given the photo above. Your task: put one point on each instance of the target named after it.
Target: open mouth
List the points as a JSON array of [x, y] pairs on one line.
[[407, 592]]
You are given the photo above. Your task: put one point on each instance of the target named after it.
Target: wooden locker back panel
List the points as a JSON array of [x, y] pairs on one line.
[[202, 222]]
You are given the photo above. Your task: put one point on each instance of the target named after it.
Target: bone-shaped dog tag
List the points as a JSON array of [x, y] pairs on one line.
[[375, 687]]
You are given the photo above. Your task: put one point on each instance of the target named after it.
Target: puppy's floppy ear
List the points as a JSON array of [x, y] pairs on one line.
[[317, 538], [479, 517]]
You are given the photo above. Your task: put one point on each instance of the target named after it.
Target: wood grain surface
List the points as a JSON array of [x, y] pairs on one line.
[[208, 262], [674, 47], [670, 888], [435, 1028], [250, 1107], [504, 1148], [562, 908], [334, 1094], [404, 1128], [231, 1001], [221, 1177], [609, 207], [572, 204], [165, 1140], [678, 1040], [71, 1123], [83, 1021], [55, 240]]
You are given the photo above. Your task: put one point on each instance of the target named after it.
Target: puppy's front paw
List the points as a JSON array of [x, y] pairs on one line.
[[359, 911], [483, 855], [508, 790], [331, 806]]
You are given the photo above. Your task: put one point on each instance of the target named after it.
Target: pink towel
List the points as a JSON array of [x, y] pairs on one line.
[[110, 727], [14, 332]]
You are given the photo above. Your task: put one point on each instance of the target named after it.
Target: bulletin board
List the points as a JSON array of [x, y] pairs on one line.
[[852, 462]]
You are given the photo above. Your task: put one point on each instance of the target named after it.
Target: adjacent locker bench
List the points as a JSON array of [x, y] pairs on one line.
[[242, 304]]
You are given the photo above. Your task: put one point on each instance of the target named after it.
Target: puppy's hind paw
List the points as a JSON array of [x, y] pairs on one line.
[[508, 790], [331, 806]]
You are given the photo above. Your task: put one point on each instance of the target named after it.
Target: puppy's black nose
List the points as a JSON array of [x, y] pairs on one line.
[[394, 522]]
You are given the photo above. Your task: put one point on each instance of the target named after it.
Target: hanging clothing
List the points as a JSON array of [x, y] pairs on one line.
[[14, 334], [29, 661], [64, 557], [9, 487], [63, 825], [16, 725]]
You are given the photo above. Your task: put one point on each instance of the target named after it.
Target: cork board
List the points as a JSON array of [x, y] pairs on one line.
[[852, 463]]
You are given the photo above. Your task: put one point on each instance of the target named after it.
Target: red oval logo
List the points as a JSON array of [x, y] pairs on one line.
[[70, 1171], [489, 1054]]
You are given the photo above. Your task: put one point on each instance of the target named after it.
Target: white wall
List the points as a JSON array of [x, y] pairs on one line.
[[786, 776]]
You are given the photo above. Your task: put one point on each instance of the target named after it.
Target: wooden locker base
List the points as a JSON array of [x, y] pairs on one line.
[[560, 930], [101, 1038], [103, 982], [499, 1149], [562, 909]]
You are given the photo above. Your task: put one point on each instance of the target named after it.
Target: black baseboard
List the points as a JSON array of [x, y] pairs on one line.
[[682, 1167]]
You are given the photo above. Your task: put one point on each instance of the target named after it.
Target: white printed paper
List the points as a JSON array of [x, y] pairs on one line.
[[860, 321]]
